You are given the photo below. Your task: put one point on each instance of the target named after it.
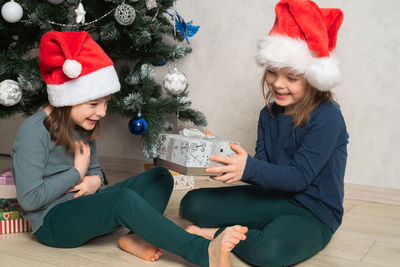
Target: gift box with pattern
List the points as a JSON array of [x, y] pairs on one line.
[[7, 186], [189, 152], [11, 220], [6, 177]]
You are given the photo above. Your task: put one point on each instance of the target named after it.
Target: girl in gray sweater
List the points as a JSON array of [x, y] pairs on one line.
[[58, 177]]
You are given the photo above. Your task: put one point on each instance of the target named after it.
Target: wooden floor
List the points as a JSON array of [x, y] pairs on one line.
[[369, 236]]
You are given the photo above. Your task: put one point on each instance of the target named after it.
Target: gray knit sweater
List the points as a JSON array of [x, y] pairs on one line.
[[43, 172]]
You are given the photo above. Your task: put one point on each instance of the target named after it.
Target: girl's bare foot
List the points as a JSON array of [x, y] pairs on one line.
[[220, 248], [135, 245], [207, 233]]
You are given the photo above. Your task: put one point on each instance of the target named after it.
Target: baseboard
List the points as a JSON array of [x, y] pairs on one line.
[[352, 191], [129, 165], [372, 193]]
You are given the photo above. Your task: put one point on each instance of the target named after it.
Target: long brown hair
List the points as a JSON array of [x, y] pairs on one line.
[[61, 127], [302, 110]]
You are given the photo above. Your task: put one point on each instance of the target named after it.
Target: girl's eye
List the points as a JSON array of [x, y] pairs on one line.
[[271, 71], [93, 104], [292, 79]]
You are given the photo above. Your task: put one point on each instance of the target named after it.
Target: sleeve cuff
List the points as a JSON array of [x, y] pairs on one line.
[[249, 169], [78, 175]]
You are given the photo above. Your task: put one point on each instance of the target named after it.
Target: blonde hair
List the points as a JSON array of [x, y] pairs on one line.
[[61, 127], [302, 110]]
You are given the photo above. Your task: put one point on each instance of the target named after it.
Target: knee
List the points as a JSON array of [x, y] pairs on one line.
[[193, 206], [163, 176], [126, 195]]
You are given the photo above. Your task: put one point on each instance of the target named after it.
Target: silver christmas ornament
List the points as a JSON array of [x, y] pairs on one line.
[[11, 11], [10, 93], [124, 14], [55, 2], [175, 82]]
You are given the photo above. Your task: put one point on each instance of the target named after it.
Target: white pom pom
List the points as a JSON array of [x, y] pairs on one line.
[[72, 68]]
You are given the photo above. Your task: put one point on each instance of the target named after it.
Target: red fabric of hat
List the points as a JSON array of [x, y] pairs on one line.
[[75, 68], [303, 38]]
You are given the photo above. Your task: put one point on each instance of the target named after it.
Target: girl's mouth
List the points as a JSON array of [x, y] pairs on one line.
[[281, 95]]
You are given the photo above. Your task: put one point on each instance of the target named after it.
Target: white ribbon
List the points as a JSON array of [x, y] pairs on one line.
[[196, 133]]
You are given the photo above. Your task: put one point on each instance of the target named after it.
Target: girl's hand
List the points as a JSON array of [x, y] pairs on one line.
[[234, 169], [89, 185], [82, 157]]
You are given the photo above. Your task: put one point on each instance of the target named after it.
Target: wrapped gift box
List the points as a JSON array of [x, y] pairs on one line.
[[11, 219], [6, 177], [7, 186], [180, 181], [189, 152]]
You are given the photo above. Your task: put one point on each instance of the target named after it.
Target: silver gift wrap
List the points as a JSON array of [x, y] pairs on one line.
[[189, 152]]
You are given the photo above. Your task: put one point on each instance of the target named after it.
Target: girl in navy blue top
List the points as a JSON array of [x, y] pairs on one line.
[[294, 202]]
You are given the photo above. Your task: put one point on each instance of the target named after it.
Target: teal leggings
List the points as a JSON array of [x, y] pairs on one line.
[[136, 203], [281, 231]]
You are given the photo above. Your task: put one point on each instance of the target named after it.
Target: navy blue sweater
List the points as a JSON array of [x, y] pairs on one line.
[[308, 161]]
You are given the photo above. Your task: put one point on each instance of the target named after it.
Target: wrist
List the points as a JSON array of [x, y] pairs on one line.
[[81, 172]]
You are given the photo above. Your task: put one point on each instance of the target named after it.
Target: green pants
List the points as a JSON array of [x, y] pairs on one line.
[[281, 231], [136, 203]]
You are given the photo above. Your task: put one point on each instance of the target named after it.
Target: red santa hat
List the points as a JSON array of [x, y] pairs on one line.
[[303, 39], [75, 68]]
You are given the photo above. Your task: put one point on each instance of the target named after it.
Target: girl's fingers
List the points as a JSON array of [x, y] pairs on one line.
[[79, 193], [218, 169], [222, 159], [238, 149], [75, 188], [224, 177], [232, 180], [77, 147]]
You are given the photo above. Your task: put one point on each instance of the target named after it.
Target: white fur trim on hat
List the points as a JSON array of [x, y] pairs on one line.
[[92, 86], [280, 51]]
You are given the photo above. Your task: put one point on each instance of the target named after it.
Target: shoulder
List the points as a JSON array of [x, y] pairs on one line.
[[328, 113], [264, 112], [33, 128], [264, 116], [270, 113]]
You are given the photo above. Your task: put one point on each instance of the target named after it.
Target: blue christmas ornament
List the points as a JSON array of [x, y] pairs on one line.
[[138, 125], [186, 28], [159, 62]]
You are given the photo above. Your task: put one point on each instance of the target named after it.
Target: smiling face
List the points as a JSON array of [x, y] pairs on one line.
[[286, 87], [87, 115]]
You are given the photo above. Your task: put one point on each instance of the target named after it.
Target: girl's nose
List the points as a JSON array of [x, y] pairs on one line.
[[101, 110], [279, 82]]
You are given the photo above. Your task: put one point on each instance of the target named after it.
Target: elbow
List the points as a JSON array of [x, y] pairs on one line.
[[302, 178], [302, 183], [27, 204]]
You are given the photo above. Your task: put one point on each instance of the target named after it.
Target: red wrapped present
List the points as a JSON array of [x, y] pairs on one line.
[[10, 217]]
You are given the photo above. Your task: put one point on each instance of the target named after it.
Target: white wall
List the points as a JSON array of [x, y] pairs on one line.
[[225, 81]]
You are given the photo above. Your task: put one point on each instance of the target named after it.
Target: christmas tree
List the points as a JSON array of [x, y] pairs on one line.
[[134, 33]]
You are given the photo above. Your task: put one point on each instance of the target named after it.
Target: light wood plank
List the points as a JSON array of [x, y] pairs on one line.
[[346, 247], [368, 237], [373, 221], [384, 254]]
